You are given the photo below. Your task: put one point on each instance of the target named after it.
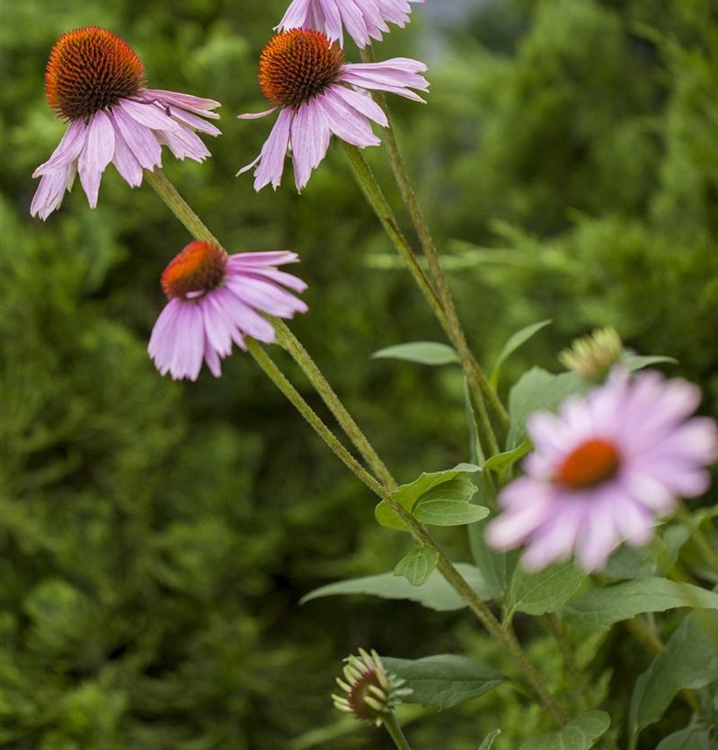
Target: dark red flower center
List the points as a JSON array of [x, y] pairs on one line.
[[297, 65], [361, 690], [590, 464], [198, 268], [91, 69]]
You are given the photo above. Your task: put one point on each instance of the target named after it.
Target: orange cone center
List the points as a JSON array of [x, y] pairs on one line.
[[198, 268], [91, 69], [297, 65], [590, 464]]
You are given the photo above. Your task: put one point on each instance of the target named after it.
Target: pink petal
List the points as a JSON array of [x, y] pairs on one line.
[[96, 155]]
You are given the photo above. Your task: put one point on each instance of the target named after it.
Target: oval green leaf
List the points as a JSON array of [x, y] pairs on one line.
[[517, 340], [417, 565], [444, 680], [408, 494], [421, 352], [546, 591], [580, 733], [601, 607], [435, 594]]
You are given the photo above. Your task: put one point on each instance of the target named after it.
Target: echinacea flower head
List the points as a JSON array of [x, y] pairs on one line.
[[216, 299], [303, 73], [592, 357], [604, 469], [364, 20], [96, 83], [370, 691]]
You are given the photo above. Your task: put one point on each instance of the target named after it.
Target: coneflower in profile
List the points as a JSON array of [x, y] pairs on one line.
[[96, 82], [215, 300], [318, 94]]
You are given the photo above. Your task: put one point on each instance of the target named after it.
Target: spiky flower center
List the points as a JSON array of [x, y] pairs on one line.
[[297, 65], [198, 269], [91, 69], [593, 462]]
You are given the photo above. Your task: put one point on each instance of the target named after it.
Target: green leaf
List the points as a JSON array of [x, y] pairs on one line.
[[688, 739], [435, 594], [545, 591], [689, 660], [449, 505], [502, 461], [539, 389], [517, 340], [444, 680], [580, 733], [408, 494], [422, 352], [417, 565], [601, 607], [638, 362], [489, 740]]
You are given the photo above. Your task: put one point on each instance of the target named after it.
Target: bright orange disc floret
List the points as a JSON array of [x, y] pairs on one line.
[[91, 69], [297, 65], [198, 268], [592, 463]]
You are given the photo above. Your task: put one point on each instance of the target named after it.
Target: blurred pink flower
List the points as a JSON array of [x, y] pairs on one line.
[[96, 82], [364, 20], [318, 95], [604, 469], [216, 299]]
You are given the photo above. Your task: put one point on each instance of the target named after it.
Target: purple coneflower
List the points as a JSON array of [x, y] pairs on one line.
[[364, 19], [96, 82], [604, 469], [216, 299], [318, 95]]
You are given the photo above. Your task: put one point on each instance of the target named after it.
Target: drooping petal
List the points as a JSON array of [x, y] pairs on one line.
[[67, 151], [140, 140], [125, 161], [309, 136], [270, 163], [96, 155], [51, 191], [344, 121]]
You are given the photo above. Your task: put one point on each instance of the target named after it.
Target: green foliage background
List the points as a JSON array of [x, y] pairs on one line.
[[157, 536]]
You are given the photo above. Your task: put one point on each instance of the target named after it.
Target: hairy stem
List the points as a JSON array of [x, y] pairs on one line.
[[395, 732], [179, 207], [383, 210], [454, 328], [287, 340]]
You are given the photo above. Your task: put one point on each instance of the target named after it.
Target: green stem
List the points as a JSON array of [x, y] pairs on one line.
[[456, 333], [421, 535], [189, 219], [289, 341], [383, 210], [698, 537], [179, 207], [396, 733]]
